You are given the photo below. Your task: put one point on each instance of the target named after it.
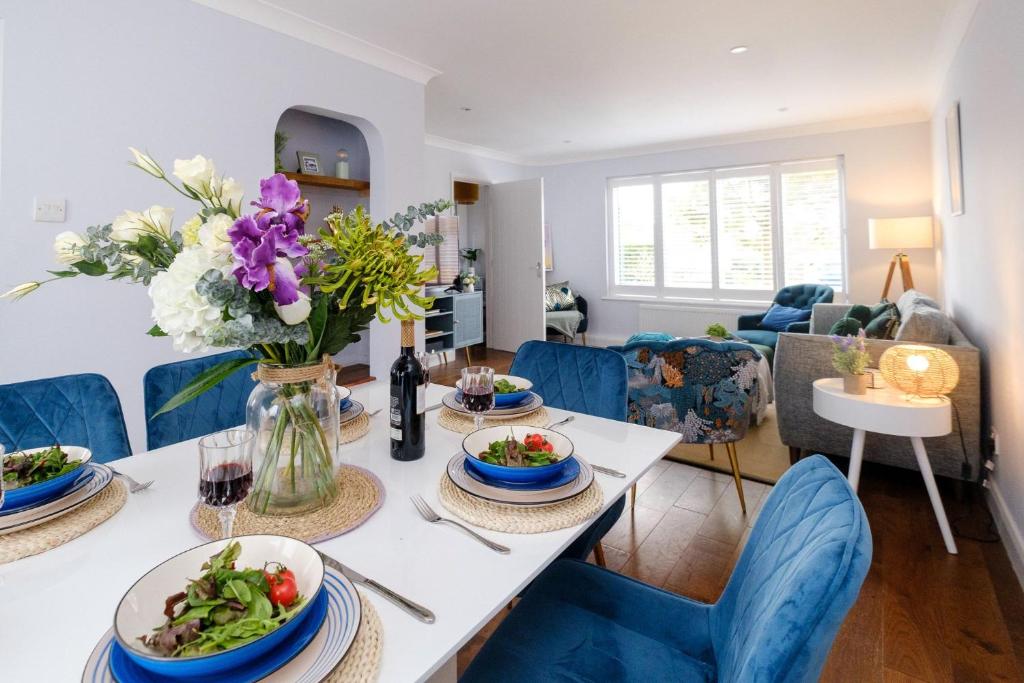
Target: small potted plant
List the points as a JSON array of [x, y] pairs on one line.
[[471, 256], [851, 359], [717, 332]]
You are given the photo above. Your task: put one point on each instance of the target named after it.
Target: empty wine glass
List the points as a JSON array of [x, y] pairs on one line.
[[225, 473], [478, 392]]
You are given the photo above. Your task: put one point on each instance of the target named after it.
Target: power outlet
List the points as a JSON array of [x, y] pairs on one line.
[[49, 210]]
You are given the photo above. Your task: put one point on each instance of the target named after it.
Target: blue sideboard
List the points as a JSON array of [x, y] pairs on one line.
[[455, 322]]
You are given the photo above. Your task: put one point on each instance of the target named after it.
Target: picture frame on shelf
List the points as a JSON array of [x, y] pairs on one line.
[[309, 163]]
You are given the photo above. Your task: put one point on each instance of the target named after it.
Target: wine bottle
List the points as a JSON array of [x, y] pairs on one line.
[[407, 400]]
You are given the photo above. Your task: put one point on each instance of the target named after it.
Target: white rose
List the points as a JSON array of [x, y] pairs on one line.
[[213, 234], [146, 163], [131, 225], [229, 191], [196, 172], [294, 313], [68, 247], [180, 311]]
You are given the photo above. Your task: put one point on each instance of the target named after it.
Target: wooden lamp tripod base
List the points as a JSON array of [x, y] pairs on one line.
[[908, 279]]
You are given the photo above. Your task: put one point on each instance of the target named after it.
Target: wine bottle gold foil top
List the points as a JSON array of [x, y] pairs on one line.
[[408, 333]]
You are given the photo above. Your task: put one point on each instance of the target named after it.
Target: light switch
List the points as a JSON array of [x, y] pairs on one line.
[[50, 210]]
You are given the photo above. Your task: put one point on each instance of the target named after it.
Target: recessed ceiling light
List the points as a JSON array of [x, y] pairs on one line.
[[739, 49], [466, 108], [567, 141]]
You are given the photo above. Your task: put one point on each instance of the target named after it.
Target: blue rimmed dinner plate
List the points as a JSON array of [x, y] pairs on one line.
[[354, 410], [84, 476], [89, 485], [567, 476], [25, 497], [309, 656]]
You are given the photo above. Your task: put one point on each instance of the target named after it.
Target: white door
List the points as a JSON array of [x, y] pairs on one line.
[[515, 264]]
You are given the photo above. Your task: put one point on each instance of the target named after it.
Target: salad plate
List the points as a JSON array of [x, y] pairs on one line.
[[307, 663], [565, 478], [547, 456], [90, 484], [44, 491], [354, 410], [457, 474], [509, 398], [451, 400]]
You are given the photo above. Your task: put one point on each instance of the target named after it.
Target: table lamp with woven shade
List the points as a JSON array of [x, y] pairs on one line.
[[919, 371]]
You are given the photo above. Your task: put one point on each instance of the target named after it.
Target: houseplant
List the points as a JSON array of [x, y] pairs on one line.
[[851, 359], [260, 282], [717, 332]]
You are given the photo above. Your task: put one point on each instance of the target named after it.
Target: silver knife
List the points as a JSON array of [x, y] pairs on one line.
[[418, 611], [607, 470]]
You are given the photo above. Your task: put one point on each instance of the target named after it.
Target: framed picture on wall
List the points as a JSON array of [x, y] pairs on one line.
[[549, 259], [309, 163], [956, 174]]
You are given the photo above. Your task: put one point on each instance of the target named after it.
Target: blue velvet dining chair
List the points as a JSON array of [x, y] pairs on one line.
[[798, 576], [221, 407], [583, 379], [700, 388], [74, 410]]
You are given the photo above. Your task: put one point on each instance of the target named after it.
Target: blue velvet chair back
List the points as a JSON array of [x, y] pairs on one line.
[[700, 388], [74, 410], [221, 407], [799, 574], [583, 379], [804, 296]]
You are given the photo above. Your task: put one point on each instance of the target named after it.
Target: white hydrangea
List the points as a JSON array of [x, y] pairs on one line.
[[180, 311], [213, 234]]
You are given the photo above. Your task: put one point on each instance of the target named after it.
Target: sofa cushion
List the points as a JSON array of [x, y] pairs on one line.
[[846, 326], [884, 322], [649, 337], [925, 325], [779, 317], [860, 313], [559, 297]]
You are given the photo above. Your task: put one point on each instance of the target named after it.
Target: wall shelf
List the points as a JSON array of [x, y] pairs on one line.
[[361, 186]]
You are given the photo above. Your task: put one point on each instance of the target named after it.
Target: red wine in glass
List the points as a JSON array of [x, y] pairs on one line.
[[225, 485], [478, 399]]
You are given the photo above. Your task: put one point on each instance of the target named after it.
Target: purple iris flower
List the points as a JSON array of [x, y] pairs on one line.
[[262, 258], [281, 202]]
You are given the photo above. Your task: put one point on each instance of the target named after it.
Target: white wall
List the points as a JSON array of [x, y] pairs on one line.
[[982, 251], [82, 82], [888, 173]]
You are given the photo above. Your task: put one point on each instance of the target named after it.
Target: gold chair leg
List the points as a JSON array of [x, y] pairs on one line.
[[584, 335], [599, 555], [711, 450], [735, 462], [632, 503], [469, 361]]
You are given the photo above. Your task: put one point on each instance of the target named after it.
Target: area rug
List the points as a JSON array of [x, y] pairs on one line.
[[762, 455]]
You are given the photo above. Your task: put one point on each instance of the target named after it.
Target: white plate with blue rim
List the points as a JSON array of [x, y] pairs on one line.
[[313, 663], [94, 479], [451, 400], [354, 410]]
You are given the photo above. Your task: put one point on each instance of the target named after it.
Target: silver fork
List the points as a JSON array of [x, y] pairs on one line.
[[133, 485], [561, 422], [427, 513]]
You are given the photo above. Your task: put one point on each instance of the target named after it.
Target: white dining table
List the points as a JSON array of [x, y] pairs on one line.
[[55, 606]]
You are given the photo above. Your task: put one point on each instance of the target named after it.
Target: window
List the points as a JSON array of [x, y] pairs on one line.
[[727, 234], [445, 255]]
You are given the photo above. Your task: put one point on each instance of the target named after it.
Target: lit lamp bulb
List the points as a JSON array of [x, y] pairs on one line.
[[919, 371]]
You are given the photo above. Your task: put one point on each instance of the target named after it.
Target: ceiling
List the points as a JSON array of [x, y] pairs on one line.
[[552, 80]]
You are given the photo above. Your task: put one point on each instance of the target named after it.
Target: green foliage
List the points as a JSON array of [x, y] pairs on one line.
[[205, 381], [716, 330]]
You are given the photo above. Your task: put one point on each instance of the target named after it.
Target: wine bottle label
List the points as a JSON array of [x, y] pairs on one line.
[[421, 398], [396, 434], [396, 414]]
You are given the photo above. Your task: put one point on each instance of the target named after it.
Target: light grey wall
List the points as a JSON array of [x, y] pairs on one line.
[[888, 173], [982, 251], [82, 82]]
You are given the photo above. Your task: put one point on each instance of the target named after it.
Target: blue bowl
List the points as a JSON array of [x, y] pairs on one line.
[[568, 474], [478, 441], [141, 608], [507, 400], [50, 489]]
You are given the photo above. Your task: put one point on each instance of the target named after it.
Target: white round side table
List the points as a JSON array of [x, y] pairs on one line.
[[885, 411]]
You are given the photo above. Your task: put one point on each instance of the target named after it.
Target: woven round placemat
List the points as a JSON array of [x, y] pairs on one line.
[[360, 494], [362, 661], [520, 519], [39, 539], [457, 422], [355, 429]]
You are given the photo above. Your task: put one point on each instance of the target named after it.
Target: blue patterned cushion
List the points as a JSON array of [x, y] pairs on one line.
[[221, 407], [797, 578], [74, 410], [583, 379], [702, 389]]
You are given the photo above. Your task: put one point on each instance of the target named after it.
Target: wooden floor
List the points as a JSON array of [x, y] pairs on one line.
[[922, 615]]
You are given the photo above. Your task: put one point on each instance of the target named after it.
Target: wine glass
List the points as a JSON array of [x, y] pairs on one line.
[[225, 472], [478, 391]]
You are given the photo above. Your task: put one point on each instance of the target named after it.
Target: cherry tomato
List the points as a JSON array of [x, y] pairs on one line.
[[547, 447], [283, 592]]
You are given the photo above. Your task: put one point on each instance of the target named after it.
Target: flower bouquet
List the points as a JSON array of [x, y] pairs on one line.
[[850, 357], [260, 282]]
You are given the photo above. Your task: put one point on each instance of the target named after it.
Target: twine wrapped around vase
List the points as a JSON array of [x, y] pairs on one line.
[[294, 374]]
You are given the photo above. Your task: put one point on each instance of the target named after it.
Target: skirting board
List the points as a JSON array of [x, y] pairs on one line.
[[1013, 541]]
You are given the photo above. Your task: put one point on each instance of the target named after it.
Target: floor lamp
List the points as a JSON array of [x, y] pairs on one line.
[[900, 234]]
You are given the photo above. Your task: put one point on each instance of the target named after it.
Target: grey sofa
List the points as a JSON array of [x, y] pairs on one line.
[[802, 358]]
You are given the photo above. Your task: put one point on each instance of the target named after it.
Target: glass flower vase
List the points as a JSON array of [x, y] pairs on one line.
[[294, 412]]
